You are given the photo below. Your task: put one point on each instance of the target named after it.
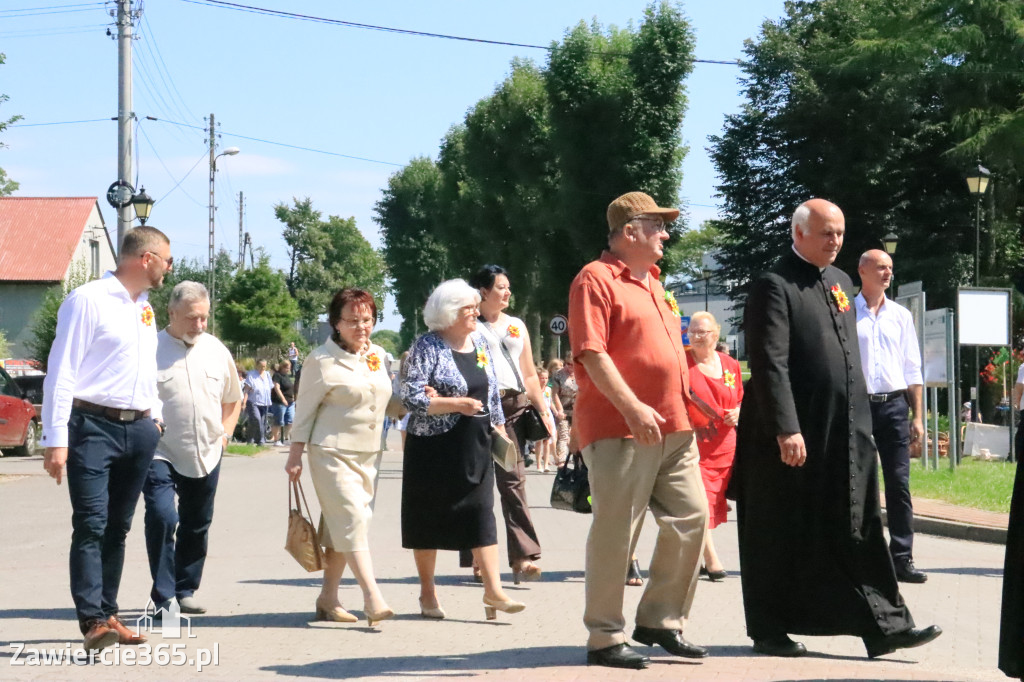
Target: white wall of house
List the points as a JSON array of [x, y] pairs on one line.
[[94, 248]]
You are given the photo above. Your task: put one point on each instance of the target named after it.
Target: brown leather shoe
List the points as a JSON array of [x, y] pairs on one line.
[[124, 635], [99, 636]]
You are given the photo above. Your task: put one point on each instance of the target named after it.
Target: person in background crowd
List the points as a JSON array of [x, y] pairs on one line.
[[201, 395], [563, 381], [891, 361], [341, 400], [509, 345], [447, 471], [282, 399], [258, 387], [293, 358], [546, 447], [813, 556], [717, 386], [102, 417], [637, 442]]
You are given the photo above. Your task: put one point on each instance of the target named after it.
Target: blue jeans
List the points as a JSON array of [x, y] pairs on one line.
[[107, 465], [256, 419], [177, 567]]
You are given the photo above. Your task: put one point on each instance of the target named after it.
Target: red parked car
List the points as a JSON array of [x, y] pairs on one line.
[[19, 424]]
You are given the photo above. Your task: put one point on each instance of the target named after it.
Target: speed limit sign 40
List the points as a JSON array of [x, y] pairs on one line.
[[558, 324]]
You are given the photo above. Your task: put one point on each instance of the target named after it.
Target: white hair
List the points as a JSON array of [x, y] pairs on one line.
[[442, 308], [800, 216], [187, 292]]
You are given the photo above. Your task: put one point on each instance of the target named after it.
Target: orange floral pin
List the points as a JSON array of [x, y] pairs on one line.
[[842, 301], [481, 357], [670, 298], [373, 362], [147, 315], [729, 379], [513, 331]]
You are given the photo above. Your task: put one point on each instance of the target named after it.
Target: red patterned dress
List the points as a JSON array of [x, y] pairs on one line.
[[716, 440]]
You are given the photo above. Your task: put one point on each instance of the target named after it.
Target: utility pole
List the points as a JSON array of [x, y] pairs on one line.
[[213, 208], [241, 233], [124, 110]]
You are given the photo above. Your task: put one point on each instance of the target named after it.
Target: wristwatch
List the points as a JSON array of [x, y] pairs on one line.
[[160, 425]]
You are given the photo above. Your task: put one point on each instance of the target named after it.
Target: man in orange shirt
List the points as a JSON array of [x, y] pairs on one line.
[[636, 439]]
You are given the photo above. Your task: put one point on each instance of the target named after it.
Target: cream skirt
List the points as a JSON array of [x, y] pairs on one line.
[[345, 483]]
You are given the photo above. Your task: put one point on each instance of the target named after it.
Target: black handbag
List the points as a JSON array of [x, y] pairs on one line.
[[530, 424], [571, 489]]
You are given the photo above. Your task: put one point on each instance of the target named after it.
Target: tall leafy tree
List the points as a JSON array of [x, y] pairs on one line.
[[257, 309], [7, 185], [326, 255]]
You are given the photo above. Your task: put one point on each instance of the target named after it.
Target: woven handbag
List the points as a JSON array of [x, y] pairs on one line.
[[302, 541]]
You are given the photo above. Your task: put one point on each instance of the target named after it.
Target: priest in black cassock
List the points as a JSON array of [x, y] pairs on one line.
[[1011, 625], [813, 557]]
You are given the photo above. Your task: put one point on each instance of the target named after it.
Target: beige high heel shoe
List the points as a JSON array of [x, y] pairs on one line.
[[492, 606], [335, 614], [377, 616], [435, 612]]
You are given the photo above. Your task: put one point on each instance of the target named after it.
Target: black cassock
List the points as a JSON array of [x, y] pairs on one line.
[[813, 556], [1011, 625]]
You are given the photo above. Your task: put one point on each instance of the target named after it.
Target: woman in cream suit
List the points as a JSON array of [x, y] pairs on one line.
[[339, 413]]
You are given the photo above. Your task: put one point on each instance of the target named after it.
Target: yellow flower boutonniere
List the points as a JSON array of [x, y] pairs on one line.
[[481, 357], [373, 362], [147, 315], [842, 301], [729, 379], [670, 298], [513, 331]]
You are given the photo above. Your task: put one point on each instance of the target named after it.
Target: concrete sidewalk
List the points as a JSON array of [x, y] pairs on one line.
[[261, 603]]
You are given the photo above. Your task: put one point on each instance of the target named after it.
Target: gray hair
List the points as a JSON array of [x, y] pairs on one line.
[[187, 292], [442, 308], [800, 216]]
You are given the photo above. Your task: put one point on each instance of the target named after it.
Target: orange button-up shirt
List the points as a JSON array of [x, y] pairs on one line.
[[612, 312]]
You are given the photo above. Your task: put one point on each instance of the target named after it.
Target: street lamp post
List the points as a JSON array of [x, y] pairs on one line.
[[230, 151], [977, 184], [143, 205], [706, 273], [889, 243]]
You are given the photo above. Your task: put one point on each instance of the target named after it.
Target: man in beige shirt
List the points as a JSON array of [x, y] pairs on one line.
[[198, 384]]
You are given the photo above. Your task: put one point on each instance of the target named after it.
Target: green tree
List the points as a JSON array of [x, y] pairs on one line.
[[44, 322], [687, 252], [7, 186], [5, 348], [389, 340], [325, 256], [257, 309], [195, 270]]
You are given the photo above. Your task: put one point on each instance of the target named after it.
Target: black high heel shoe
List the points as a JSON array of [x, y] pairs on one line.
[[633, 576], [714, 576]]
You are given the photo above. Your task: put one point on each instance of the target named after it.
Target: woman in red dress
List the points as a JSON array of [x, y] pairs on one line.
[[716, 387]]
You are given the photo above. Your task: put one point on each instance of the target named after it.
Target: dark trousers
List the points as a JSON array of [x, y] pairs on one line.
[[891, 428], [176, 564], [107, 465], [520, 534], [256, 419]]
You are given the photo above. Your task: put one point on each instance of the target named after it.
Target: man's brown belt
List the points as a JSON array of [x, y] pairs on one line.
[[113, 413]]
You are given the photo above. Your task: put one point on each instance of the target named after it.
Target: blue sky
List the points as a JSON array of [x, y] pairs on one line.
[[362, 93]]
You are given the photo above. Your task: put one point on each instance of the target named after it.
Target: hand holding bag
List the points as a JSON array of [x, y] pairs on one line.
[[571, 489], [503, 452], [531, 425], [302, 541]]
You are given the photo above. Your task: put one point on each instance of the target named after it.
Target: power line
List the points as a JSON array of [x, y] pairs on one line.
[[402, 31], [36, 9], [58, 123], [160, 57], [39, 14], [54, 31]]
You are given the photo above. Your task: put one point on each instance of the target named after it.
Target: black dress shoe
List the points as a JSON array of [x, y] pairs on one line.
[[717, 576], [779, 646], [618, 656], [886, 644], [670, 640], [906, 572]]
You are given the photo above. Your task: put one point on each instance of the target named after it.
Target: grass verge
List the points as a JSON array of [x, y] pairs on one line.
[[976, 484], [245, 449]]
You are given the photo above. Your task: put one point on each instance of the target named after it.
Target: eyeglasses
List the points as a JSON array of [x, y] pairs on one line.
[[475, 309], [169, 261], [700, 333], [659, 224], [356, 324]]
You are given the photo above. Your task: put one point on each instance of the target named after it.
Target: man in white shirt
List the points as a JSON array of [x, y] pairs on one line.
[[102, 417], [891, 360], [201, 395]]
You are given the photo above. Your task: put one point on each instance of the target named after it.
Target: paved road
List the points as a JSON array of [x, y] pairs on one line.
[[261, 602]]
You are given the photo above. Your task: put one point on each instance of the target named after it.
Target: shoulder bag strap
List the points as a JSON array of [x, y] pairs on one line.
[[508, 356]]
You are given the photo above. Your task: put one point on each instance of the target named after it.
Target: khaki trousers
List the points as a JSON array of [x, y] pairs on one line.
[[626, 479]]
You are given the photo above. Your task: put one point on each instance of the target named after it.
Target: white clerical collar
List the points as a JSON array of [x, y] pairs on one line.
[[801, 257]]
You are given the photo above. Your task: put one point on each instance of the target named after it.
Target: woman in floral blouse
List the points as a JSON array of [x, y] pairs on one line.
[[447, 476]]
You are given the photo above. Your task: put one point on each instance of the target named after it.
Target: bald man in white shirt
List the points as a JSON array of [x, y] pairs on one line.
[[891, 360], [102, 418]]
